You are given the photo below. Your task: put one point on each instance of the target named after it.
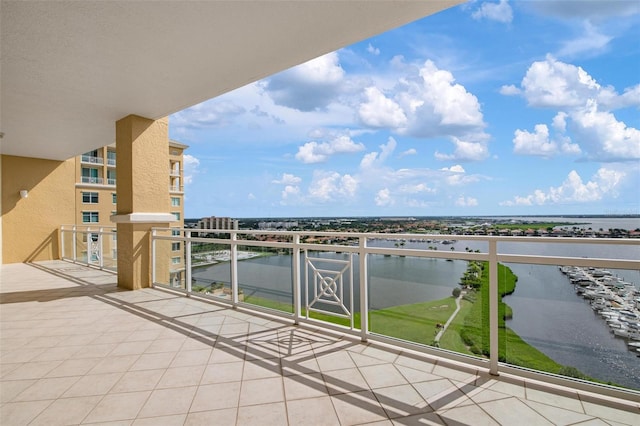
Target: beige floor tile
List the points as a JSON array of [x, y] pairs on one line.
[[100, 350], [153, 361], [130, 348], [559, 416], [165, 345], [11, 388], [21, 413], [66, 411], [119, 406], [567, 401], [222, 373], [216, 417], [261, 369], [415, 376], [401, 401], [216, 396], [512, 411], [631, 417], [315, 411], [74, 367], [165, 402], [335, 361], [384, 375], [175, 420], [134, 381], [459, 374], [442, 394], [273, 414], [261, 391], [226, 353], [304, 386], [181, 377], [467, 414], [48, 388], [95, 384], [188, 358], [32, 370], [344, 381], [358, 408], [114, 364]]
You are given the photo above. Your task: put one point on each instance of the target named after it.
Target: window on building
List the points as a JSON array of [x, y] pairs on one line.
[[111, 158], [114, 198], [175, 232], [90, 175], [176, 215], [114, 236], [176, 260], [175, 201], [90, 217], [90, 197], [111, 177], [175, 246]]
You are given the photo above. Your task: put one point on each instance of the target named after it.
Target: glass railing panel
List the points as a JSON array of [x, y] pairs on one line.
[[67, 244], [211, 269], [265, 277], [169, 265], [577, 322]]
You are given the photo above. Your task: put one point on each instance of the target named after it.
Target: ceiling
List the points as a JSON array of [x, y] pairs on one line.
[[70, 69]]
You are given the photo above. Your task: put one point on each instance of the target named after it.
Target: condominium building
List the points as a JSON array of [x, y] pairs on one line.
[[214, 222], [96, 202]]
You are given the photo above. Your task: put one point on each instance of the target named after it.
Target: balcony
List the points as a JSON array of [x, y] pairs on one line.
[[76, 350], [91, 179], [176, 188], [111, 162], [90, 159], [174, 172], [111, 181]]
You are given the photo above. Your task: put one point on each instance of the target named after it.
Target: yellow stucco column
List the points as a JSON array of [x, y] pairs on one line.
[[142, 188]]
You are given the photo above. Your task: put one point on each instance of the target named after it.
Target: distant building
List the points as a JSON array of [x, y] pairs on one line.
[[273, 225], [213, 222]]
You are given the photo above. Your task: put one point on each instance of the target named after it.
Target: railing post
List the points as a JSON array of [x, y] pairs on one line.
[[493, 307], [295, 266], [187, 262], [153, 256], [75, 243], [364, 295], [234, 268], [100, 248]]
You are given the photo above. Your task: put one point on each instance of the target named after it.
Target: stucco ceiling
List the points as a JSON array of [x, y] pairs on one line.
[[70, 69]]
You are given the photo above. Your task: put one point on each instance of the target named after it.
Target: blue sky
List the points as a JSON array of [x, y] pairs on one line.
[[488, 108]]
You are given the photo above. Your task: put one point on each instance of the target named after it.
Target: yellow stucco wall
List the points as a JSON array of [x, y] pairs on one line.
[[30, 225]]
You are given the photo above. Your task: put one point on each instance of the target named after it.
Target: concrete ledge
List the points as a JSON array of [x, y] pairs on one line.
[[143, 218]]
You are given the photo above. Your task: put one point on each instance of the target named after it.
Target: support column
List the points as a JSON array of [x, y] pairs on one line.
[[142, 188]]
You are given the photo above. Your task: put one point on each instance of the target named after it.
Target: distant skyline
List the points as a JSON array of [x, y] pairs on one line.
[[489, 108]]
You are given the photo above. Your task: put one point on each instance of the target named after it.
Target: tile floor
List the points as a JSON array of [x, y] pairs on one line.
[[75, 350]]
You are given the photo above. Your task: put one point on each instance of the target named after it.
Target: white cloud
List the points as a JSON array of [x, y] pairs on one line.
[[383, 198], [288, 179], [314, 152], [591, 43], [509, 90], [329, 186], [604, 183], [290, 191], [309, 86], [463, 201], [603, 136], [593, 10], [500, 12], [465, 151], [536, 143], [211, 113], [251, 196], [191, 165], [416, 189], [428, 103], [380, 111], [455, 169], [373, 50], [410, 151], [375, 159], [584, 114]]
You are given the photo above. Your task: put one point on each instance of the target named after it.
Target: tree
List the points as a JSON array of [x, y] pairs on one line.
[[456, 292]]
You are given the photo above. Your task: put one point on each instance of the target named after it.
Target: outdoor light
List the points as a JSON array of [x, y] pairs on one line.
[[24, 193]]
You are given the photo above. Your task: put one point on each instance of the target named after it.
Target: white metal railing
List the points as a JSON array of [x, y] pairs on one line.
[[90, 179], [91, 159], [357, 244], [111, 162], [93, 246], [111, 181], [175, 188]]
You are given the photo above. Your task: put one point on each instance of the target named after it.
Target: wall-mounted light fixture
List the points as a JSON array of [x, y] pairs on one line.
[[24, 193]]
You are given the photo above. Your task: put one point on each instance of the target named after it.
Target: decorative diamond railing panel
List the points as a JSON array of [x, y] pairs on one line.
[[329, 285]]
